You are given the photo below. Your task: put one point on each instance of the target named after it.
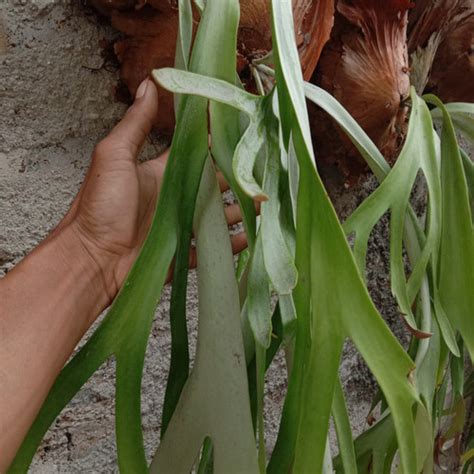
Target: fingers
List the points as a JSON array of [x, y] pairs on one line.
[[233, 214], [239, 242], [223, 184], [158, 165], [130, 133]]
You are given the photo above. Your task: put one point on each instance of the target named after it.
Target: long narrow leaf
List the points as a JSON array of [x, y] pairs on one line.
[[343, 430], [207, 408], [337, 295], [456, 259]]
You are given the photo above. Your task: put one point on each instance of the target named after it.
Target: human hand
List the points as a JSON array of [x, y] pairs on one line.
[[51, 297], [114, 208]]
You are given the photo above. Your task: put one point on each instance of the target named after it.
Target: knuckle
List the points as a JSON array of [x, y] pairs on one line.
[[109, 147]]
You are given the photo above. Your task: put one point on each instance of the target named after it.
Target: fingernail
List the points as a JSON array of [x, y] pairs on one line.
[[141, 89]]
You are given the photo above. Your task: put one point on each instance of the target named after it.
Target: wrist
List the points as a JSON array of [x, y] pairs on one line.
[[80, 253]]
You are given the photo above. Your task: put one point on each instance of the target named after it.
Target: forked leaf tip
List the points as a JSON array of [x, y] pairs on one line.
[[414, 331]]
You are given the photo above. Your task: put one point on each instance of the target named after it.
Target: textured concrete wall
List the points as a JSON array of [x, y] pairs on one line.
[[57, 101]]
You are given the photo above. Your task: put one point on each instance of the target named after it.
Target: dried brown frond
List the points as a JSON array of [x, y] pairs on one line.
[[441, 44], [150, 29], [365, 66]]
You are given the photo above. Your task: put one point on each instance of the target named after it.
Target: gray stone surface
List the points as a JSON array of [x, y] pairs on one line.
[[57, 101]]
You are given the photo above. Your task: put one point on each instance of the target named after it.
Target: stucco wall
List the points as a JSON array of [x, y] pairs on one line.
[[57, 101]]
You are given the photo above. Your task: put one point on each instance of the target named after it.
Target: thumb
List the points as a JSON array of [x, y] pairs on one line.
[[131, 132]]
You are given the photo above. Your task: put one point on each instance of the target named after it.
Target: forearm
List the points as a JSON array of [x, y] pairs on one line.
[[48, 302]]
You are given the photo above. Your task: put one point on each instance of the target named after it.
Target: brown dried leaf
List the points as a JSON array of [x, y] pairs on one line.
[[149, 44], [150, 28], [441, 44], [314, 20], [452, 75], [365, 66], [430, 17], [313, 31]]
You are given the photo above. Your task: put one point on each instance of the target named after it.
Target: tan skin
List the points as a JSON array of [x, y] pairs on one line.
[[52, 297]]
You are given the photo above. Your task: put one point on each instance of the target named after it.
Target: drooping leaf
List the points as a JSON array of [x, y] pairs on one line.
[[456, 255], [179, 360], [260, 135], [393, 194], [414, 237], [277, 256], [326, 267], [182, 82], [206, 408]]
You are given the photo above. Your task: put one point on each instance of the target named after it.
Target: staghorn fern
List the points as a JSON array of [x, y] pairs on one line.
[[299, 252]]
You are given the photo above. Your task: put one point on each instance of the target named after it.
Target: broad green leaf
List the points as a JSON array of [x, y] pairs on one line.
[[456, 256], [218, 302], [206, 408], [393, 194], [413, 235], [261, 132], [278, 260], [183, 82], [339, 305], [414, 238]]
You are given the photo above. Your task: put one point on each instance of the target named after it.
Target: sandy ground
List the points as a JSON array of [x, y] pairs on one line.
[[57, 102]]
